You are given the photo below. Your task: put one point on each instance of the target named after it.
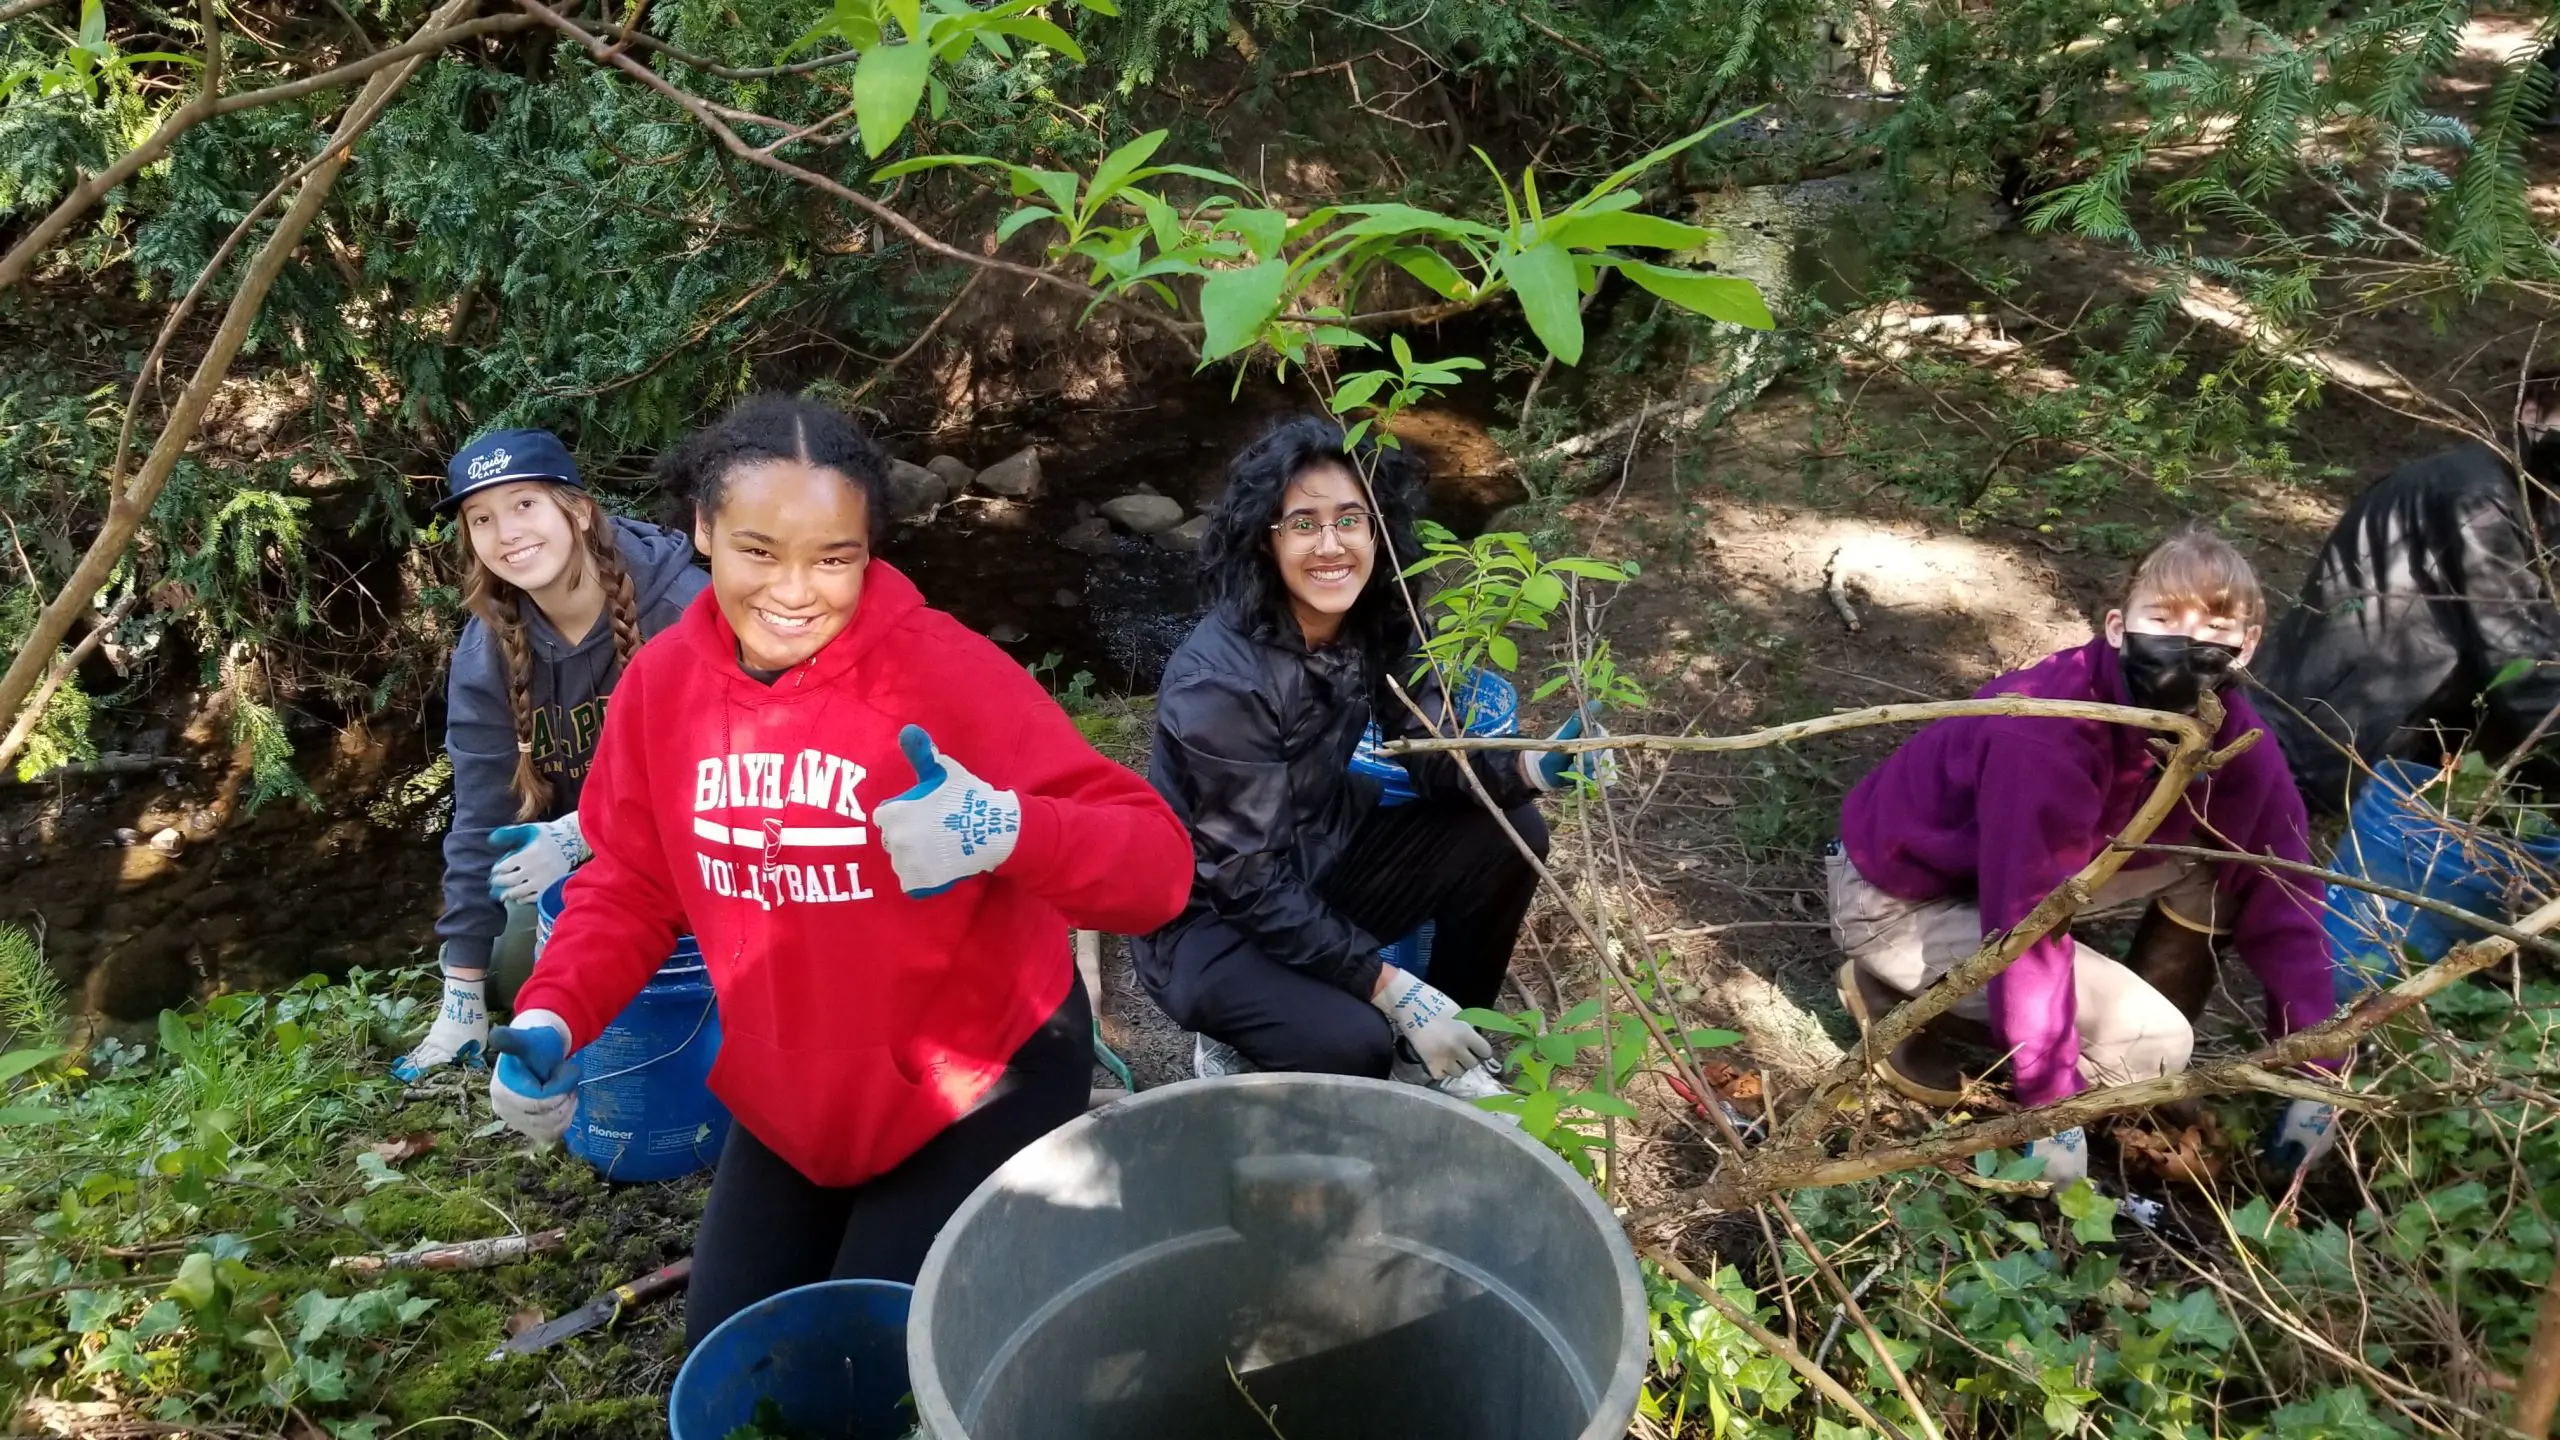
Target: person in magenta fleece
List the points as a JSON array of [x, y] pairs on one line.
[[879, 828], [1974, 820]]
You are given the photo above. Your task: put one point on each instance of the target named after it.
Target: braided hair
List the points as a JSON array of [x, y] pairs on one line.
[[770, 427], [500, 606]]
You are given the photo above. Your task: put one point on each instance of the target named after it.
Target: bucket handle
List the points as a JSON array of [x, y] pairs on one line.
[[698, 1022]]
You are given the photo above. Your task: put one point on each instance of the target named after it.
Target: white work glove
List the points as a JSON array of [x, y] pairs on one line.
[[2065, 1156], [538, 853], [950, 826], [460, 1035], [534, 1088], [2305, 1134], [1555, 769], [1427, 1024]]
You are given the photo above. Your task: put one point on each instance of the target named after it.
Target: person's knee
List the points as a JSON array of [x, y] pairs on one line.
[[1352, 1043], [1533, 829]]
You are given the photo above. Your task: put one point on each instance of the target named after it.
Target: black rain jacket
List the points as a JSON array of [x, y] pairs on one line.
[[1254, 737], [2427, 590]]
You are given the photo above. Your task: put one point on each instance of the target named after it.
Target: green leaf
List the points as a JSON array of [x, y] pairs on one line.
[[1728, 298], [888, 84], [1502, 652], [31, 1115], [2092, 1215], [1013, 224], [1433, 270], [19, 1062], [93, 26], [1598, 232], [1494, 1020], [1581, 1014], [1039, 32], [1355, 390], [1543, 591], [937, 98], [1116, 167], [928, 162], [1236, 304], [1601, 1102], [1538, 1113], [2512, 671], [1543, 276], [193, 1285], [1267, 231], [908, 13]]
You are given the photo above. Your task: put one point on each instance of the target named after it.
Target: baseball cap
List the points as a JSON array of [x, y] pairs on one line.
[[502, 456]]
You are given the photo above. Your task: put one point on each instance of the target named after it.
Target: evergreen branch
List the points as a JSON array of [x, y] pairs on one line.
[[647, 41], [714, 117], [207, 106]]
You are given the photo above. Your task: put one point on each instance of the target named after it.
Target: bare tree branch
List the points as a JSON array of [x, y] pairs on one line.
[[60, 672], [17, 8], [206, 106], [127, 507]]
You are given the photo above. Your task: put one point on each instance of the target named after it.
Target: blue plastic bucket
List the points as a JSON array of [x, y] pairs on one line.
[[2394, 839], [1487, 705], [645, 1109], [831, 1357]]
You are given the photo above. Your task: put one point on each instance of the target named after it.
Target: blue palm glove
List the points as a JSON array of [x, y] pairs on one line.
[[535, 1086], [1554, 769], [536, 854], [950, 826]]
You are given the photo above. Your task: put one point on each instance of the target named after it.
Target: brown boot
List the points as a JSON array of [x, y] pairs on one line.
[[2173, 958], [1920, 1066]]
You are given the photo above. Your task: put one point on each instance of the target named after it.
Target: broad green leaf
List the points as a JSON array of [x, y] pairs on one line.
[[1039, 32], [1236, 304], [1543, 277], [1600, 1102], [1588, 569], [1434, 271], [1118, 166], [927, 162], [1728, 298], [1267, 231], [1538, 1113], [12, 1115], [910, 14], [1013, 224], [1058, 185], [888, 84], [1494, 1020], [193, 1285], [1598, 232], [1406, 220], [2512, 671], [937, 97], [93, 26], [1545, 592], [2092, 1215], [1336, 336], [1355, 390], [19, 1062], [1581, 1014], [1502, 652]]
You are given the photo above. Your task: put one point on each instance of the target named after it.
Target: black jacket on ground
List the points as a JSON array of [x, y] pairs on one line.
[[2427, 589], [1254, 737]]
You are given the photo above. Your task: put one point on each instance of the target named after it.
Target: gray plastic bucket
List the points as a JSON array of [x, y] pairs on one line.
[[1367, 1260]]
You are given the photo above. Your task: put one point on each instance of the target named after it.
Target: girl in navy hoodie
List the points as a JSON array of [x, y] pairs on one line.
[[559, 595], [794, 775]]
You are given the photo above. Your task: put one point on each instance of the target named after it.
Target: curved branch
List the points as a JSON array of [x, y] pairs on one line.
[[2331, 877], [206, 106], [18, 8], [2186, 727]]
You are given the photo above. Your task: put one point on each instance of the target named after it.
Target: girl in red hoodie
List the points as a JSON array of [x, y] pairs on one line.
[[793, 774]]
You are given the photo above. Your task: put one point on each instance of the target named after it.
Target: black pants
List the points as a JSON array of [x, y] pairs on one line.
[[1450, 864], [767, 1228]]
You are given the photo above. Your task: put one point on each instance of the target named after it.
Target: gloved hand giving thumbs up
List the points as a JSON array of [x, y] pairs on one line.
[[535, 1087], [951, 826]]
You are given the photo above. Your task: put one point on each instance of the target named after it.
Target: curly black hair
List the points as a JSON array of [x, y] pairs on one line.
[[1237, 567], [775, 427]]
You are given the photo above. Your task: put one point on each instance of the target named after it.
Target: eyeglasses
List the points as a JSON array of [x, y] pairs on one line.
[[1302, 532]]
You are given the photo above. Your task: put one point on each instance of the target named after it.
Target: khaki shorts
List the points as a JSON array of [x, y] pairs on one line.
[[2128, 1031]]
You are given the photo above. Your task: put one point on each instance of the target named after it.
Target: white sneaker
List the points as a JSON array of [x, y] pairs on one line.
[[1212, 1058]]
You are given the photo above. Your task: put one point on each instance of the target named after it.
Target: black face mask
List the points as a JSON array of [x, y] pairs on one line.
[[2168, 672]]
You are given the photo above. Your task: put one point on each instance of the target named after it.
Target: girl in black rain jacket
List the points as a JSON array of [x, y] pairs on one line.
[[1300, 875]]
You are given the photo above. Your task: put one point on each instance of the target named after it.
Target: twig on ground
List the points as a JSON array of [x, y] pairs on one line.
[[463, 1255], [1858, 1291], [1835, 584]]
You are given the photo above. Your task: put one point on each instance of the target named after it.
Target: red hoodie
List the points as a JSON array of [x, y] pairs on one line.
[[856, 1022]]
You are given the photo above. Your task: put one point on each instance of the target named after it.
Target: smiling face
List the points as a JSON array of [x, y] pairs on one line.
[[788, 548], [1325, 543], [525, 534], [2149, 613]]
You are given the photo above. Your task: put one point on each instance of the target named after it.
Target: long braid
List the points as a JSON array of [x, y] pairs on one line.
[[622, 598], [497, 605]]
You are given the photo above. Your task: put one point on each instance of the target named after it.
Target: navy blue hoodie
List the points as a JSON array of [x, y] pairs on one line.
[[568, 692]]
